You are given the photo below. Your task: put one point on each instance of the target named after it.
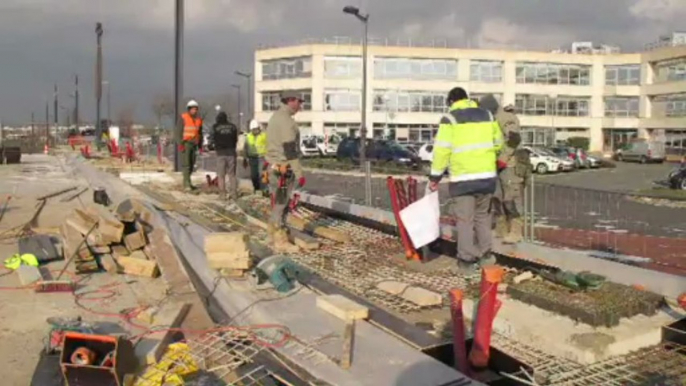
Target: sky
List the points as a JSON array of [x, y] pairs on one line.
[[43, 42]]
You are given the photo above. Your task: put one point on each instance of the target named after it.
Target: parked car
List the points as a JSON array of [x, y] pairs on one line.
[[318, 145], [544, 163], [677, 177], [378, 151], [577, 156], [566, 164], [594, 162], [642, 151], [426, 152]]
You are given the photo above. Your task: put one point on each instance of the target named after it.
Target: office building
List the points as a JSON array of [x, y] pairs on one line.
[[602, 95]]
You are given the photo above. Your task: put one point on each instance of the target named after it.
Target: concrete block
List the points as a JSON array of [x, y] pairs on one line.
[[219, 260], [120, 250], [28, 274], [136, 240], [235, 243], [422, 297], [109, 264], [138, 267], [342, 307], [138, 255], [393, 287]]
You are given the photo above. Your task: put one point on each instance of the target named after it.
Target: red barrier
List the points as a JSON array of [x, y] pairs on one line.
[[411, 189], [402, 194], [159, 152], [491, 276], [459, 346], [130, 154], [410, 251]]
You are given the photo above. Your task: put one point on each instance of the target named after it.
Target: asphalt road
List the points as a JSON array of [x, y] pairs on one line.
[[589, 199]]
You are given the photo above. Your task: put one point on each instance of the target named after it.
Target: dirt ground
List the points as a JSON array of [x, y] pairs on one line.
[[23, 313]]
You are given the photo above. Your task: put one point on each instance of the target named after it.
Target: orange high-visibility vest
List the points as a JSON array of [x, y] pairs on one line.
[[191, 127]]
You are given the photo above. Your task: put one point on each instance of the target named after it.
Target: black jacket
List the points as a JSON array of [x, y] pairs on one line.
[[224, 135]]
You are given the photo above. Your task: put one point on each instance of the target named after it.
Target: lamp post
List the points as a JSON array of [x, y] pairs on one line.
[[178, 74], [363, 126], [553, 98], [238, 96], [98, 85], [107, 83], [248, 78]]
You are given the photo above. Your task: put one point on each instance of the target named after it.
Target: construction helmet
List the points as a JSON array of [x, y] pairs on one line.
[[192, 103], [254, 124]]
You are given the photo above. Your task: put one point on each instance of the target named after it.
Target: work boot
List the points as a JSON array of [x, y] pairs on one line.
[[281, 243], [466, 268], [516, 232], [500, 227]]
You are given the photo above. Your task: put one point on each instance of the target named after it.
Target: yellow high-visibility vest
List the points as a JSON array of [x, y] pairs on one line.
[[257, 145]]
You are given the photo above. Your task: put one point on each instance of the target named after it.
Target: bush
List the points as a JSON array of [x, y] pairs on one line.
[[579, 142]]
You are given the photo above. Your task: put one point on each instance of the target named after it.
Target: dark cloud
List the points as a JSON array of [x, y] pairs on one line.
[[46, 41]]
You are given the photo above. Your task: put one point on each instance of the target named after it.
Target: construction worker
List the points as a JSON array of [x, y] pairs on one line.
[[467, 145], [253, 154], [224, 135], [189, 139], [509, 198], [283, 156]]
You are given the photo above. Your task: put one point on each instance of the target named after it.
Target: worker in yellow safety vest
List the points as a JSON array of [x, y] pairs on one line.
[[189, 140], [467, 145], [253, 154]]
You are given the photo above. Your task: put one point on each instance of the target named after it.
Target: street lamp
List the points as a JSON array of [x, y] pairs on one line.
[[363, 127], [240, 113], [553, 98], [248, 78], [107, 83], [98, 85]]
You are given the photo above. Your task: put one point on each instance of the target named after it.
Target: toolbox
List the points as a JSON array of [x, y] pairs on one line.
[[96, 360]]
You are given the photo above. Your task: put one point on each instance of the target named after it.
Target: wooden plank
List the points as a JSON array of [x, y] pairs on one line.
[[138, 267], [234, 243], [120, 250], [348, 338], [219, 260], [109, 264], [303, 240], [342, 307], [109, 227], [135, 240]]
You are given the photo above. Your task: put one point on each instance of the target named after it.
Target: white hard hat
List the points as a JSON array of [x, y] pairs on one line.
[[254, 124], [192, 103]]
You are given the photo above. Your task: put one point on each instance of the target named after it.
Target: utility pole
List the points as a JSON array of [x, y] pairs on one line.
[[178, 76], [47, 123], [363, 127], [240, 112], [55, 107], [248, 77], [33, 126], [76, 102], [98, 85]]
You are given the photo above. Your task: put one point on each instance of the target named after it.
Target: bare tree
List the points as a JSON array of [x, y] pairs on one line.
[[163, 106]]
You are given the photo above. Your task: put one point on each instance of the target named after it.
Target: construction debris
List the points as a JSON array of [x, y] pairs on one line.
[[228, 251], [522, 277]]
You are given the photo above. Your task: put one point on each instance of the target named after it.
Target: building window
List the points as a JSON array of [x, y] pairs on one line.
[[669, 105], [553, 73], [625, 75], [614, 139], [342, 100], [342, 67], [538, 136], [417, 69], [486, 71], [408, 132], [567, 106], [287, 68], [476, 97], [271, 101], [344, 129], [621, 106], [409, 101], [671, 71]]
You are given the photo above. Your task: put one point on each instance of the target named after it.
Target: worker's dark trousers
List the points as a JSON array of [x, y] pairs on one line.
[[255, 166], [226, 169], [280, 209], [473, 217], [188, 161]]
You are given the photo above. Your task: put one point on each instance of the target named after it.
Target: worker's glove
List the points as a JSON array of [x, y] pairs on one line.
[[501, 165], [265, 165], [182, 147], [245, 163], [301, 182]]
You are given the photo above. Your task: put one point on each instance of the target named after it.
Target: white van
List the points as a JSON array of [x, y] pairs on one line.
[[642, 151]]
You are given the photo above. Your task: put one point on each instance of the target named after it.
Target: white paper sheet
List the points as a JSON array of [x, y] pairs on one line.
[[421, 220]]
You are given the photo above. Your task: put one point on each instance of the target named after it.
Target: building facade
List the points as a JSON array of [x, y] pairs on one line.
[[607, 98]]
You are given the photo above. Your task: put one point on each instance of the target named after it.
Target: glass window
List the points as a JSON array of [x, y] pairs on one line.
[[406, 101], [415, 132], [420, 69], [343, 129], [342, 100], [287, 68], [553, 73], [485, 71], [621, 106], [476, 97], [623, 75], [669, 105], [342, 67], [671, 71], [271, 100], [538, 136], [569, 106]]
